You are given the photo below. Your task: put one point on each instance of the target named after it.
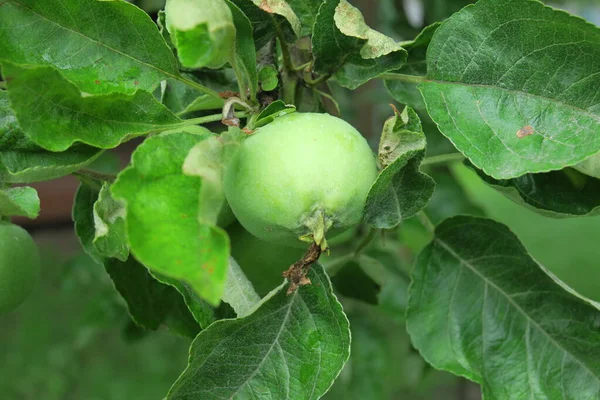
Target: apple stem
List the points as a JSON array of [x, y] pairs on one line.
[[296, 274]]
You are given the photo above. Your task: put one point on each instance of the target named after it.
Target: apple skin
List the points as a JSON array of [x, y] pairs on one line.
[[590, 166], [298, 168], [19, 266]]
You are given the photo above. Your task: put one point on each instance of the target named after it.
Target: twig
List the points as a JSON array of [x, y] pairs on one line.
[[443, 159], [403, 77], [426, 222]]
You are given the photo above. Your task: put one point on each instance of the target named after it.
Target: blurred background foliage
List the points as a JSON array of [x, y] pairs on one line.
[[73, 339]]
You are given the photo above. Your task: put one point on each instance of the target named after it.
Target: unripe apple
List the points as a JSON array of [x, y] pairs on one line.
[[303, 175], [19, 266]]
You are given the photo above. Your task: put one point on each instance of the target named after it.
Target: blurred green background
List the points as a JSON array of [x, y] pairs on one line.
[[73, 339]]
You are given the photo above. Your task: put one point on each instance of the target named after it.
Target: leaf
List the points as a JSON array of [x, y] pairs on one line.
[[556, 194], [100, 46], [162, 222], [481, 307], [202, 31], [55, 114], [22, 161], [19, 201], [239, 292], [307, 11], [276, 109], [400, 190], [290, 347], [416, 64], [344, 46], [283, 9], [352, 282], [110, 239], [513, 109], [208, 160], [268, 78], [244, 58], [263, 24], [150, 302]]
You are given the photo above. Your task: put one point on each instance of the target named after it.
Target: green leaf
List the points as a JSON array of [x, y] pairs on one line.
[[203, 313], [400, 190], [283, 9], [307, 11], [556, 194], [238, 291], [416, 65], [590, 166], [513, 109], [202, 32], [344, 46], [150, 302], [276, 109], [208, 160], [290, 347], [55, 114], [110, 239], [162, 220], [481, 307], [83, 217], [263, 25], [100, 46], [19, 201], [244, 59], [268, 78], [22, 161]]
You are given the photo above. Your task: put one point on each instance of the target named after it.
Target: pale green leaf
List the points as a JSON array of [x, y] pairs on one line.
[[290, 347], [22, 161], [283, 9], [481, 307], [202, 32], [19, 201], [244, 58], [162, 216], [110, 239], [100, 46], [344, 46], [238, 291], [55, 114], [514, 85]]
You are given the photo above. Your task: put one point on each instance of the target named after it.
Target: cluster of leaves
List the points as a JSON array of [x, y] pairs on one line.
[[512, 84]]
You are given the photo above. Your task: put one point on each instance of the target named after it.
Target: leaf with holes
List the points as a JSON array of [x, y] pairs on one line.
[[481, 307]]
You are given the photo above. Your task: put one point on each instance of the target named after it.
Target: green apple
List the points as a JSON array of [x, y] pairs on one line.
[[19, 266], [302, 176]]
